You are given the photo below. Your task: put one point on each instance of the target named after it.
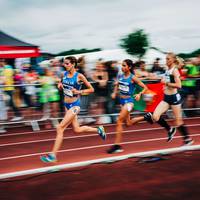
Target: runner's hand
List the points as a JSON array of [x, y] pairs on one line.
[[75, 91], [137, 96], [113, 96], [60, 86]]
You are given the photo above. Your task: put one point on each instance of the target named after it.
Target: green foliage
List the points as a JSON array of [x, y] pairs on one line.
[[190, 55], [77, 51], [136, 43]]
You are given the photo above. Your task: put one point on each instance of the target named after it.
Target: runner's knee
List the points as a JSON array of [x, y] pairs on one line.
[[155, 117], [178, 122], [120, 120], [77, 130], [128, 122], [60, 127]]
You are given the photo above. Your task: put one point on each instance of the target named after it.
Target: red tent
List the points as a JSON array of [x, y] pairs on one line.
[[11, 47]]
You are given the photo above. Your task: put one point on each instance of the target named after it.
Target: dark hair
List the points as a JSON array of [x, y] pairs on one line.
[[30, 69], [72, 60], [130, 64], [141, 62]]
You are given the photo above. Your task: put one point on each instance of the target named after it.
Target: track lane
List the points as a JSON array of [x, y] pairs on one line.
[[24, 135], [87, 153], [87, 147]]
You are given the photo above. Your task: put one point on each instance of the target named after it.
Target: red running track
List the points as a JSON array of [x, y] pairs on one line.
[[21, 150]]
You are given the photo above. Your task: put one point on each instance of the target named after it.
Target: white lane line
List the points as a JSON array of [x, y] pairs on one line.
[[91, 147], [74, 137], [95, 161], [26, 133], [53, 130], [44, 131], [82, 136]]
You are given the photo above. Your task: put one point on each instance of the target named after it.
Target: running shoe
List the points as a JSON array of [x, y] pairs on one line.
[[115, 149], [148, 117], [188, 142], [101, 132], [171, 134], [49, 158]]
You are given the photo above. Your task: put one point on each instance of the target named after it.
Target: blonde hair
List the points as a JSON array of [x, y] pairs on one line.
[[177, 60]]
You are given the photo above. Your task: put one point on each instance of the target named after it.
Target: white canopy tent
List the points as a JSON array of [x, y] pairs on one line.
[[120, 54], [115, 54]]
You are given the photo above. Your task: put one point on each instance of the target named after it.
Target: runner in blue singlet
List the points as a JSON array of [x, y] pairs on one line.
[[125, 87], [71, 85]]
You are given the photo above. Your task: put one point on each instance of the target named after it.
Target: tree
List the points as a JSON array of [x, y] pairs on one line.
[[136, 43], [190, 55]]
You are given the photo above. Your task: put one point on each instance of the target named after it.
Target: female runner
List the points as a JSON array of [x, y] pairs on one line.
[[172, 99], [71, 85], [125, 85]]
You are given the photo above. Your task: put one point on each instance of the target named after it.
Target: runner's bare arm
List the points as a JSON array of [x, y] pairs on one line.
[[141, 84], [89, 89], [115, 92]]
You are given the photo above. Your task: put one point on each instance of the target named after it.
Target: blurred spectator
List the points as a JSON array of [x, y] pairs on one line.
[[18, 80], [31, 78], [49, 95], [189, 86], [112, 69], [180, 66], [141, 72], [3, 110], [157, 69], [85, 98], [81, 65], [22, 96], [100, 77], [57, 66], [197, 61], [8, 73]]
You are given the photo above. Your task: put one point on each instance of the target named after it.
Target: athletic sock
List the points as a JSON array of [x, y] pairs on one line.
[[163, 123], [184, 132]]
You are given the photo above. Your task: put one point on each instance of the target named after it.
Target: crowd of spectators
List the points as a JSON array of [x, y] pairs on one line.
[[32, 88]]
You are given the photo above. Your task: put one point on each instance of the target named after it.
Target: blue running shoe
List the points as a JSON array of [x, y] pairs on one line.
[[48, 158], [101, 132]]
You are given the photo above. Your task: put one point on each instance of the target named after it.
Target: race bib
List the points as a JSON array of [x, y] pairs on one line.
[[167, 78], [124, 88], [178, 97], [68, 92]]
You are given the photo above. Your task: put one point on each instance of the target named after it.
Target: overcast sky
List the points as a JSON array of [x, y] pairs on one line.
[[172, 25]]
